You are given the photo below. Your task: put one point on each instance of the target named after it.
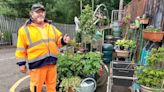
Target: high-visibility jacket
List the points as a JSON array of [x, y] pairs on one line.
[[35, 49]]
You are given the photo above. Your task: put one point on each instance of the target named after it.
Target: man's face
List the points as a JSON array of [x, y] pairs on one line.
[[38, 16]]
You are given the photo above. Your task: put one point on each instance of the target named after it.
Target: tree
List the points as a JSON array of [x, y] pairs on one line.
[[58, 10], [62, 11], [66, 10]]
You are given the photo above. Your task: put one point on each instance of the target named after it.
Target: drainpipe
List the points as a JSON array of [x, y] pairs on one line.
[[120, 9]]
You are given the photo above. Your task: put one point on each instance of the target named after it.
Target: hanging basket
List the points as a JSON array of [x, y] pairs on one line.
[[153, 36], [122, 53], [144, 21], [148, 89]]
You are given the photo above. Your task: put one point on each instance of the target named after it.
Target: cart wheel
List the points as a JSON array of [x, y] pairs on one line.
[[103, 75]]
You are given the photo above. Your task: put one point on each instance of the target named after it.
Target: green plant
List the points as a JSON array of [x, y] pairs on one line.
[[7, 36], [91, 63], [78, 64], [152, 29], [156, 57], [152, 75], [71, 82], [1, 36], [87, 26], [71, 66], [145, 16], [71, 43], [128, 44]]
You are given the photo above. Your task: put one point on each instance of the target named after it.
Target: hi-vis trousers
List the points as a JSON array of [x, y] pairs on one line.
[[46, 74]]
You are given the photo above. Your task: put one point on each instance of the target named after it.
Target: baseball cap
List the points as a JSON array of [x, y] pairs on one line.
[[37, 6]]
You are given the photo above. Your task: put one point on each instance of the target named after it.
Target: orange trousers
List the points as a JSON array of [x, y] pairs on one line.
[[46, 74]]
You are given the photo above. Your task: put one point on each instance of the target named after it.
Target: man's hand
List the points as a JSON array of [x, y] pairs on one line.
[[66, 38], [23, 69]]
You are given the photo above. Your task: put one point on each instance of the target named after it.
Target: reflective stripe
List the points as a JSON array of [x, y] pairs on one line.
[[40, 41], [21, 60], [28, 34], [34, 44], [53, 27], [40, 58], [53, 40], [21, 49]]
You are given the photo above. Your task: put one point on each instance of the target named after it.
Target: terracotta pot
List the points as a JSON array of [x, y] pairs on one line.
[[144, 21], [148, 89], [70, 89], [122, 53], [153, 36]]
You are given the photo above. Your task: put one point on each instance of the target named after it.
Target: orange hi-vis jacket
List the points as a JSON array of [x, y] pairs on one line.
[[34, 48]]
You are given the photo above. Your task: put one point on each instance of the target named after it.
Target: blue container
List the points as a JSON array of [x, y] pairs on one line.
[[107, 53], [107, 50], [115, 26], [116, 31], [107, 60], [107, 47]]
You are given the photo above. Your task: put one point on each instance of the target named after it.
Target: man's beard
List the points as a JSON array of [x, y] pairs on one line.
[[39, 19]]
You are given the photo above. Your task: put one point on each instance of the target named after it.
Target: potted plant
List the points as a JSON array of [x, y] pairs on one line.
[[124, 46], [150, 77], [70, 84], [87, 27], [144, 19], [91, 64], [153, 34], [71, 66], [68, 70]]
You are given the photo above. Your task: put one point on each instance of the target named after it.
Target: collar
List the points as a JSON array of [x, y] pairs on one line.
[[29, 21]]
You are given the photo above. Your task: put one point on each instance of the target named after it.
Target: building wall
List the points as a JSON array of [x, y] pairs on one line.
[[154, 9]]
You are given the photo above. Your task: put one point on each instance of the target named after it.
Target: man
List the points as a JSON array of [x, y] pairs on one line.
[[38, 43]]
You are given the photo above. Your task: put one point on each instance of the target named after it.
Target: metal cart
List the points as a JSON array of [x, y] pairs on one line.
[[121, 73]]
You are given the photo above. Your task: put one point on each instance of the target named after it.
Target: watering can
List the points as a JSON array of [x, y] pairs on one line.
[[87, 85]]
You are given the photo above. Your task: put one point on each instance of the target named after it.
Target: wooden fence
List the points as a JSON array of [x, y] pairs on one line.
[[10, 26]]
